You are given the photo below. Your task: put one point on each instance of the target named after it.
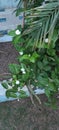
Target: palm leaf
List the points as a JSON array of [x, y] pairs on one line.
[[41, 21]]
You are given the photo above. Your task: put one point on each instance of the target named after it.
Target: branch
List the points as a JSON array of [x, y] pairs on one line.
[[33, 94]]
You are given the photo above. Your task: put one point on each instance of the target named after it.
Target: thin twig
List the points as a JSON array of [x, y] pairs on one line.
[[32, 93], [5, 74]]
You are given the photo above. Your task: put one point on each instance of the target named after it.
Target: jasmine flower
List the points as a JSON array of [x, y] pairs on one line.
[[46, 40], [17, 82], [17, 32], [21, 52]]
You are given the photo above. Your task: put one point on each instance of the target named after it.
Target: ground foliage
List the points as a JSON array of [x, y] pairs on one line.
[[38, 56]]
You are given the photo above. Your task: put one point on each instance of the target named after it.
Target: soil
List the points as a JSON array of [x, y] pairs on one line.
[[8, 55], [23, 115]]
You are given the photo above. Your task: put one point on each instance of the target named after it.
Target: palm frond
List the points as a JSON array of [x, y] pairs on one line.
[[42, 21]]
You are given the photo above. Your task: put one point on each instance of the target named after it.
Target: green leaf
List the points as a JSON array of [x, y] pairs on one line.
[[22, 92], [35, 55], [54, 37], [32, 59], [5, 85], [43, 81], [52, 87], [24, 57], [16, 39], [22, 96], [47, 68], [10, 94], [12, 33], [13, 95], [7, 94], [47, 92], [40, 65], [14, 68]]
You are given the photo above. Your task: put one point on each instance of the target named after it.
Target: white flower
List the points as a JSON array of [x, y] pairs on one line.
[[22, 69], [21, 52], [24, 72], [18, 89], [17, 32], [46, 40], [17, 82]]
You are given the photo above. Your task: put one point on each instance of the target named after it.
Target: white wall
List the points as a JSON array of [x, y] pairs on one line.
[[8, 3], [11, 21]]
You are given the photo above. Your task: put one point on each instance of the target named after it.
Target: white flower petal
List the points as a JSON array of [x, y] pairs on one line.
[[22, 69], [24, 72], [21, 53], [46, 40], [17, 82], [17, 32]]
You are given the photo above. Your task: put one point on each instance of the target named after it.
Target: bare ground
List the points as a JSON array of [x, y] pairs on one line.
[[8, 55], [23, 115]]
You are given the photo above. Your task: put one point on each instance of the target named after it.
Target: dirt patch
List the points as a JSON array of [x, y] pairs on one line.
[[8, 55], [23, 115]]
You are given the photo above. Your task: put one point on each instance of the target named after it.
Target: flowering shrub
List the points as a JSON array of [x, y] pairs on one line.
[[38, 67]]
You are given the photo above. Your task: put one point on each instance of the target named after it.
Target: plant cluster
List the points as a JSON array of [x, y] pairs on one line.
[[37, 66], [38, 60]]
